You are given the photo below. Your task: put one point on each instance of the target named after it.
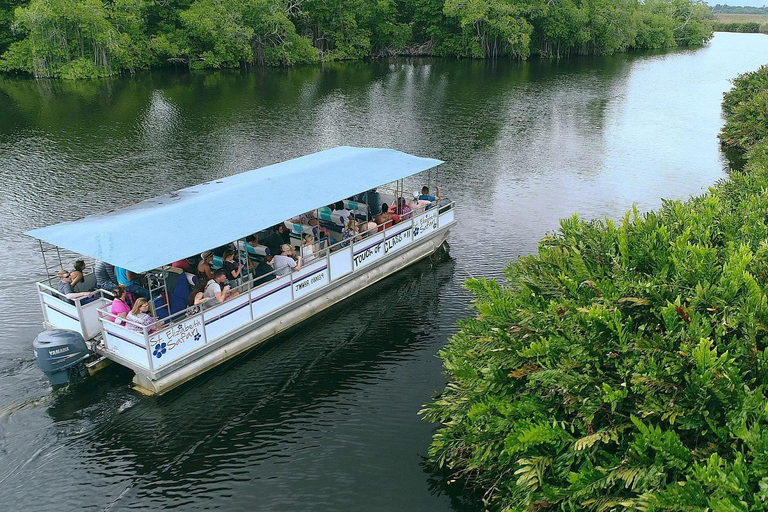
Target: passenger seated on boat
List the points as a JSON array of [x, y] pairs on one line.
[[204, 271], [128, 279], [216, 289], [285, 262], [231, 267], [77, 273], [309, 218], [105, 275], [218, 252], [350, 234], [357, 209], [278, 237], [342, 213], [65, 288], [332, 223], [401, 208], [308, 252], [418, 205], [264, 270], [386, 219], [368, 228], [197, 297], [119, 307], [425, 196], [140, 315]]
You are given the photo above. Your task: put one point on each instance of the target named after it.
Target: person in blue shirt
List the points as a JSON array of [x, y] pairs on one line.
[[425, 196], [128, 279]]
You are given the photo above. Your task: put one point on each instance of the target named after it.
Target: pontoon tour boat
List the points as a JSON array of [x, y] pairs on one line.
[[145, 238]]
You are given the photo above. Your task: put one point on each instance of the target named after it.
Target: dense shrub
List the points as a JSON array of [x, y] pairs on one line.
[[746, 107], [749, 28], [626, 365]]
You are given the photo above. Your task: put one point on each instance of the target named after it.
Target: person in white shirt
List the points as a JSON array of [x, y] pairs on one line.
[[284, 262], [343, 213], [214, 290], [308, 252]]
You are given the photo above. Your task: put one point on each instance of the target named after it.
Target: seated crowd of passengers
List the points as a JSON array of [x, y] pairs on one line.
[[219, 285], [138, 316]]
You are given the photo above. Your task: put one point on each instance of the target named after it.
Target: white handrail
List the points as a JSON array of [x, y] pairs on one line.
[[106, 317]]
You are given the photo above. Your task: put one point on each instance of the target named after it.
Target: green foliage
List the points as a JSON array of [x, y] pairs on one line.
[[218, 33], [746, 106], [7, 36], [656, 30], [738, 9], [77, 38], [624, 367], [86, 38], [749, 28], [491, 27]]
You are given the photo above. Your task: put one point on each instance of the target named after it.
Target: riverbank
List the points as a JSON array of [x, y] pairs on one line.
[[73, 39], [624, 366], [745, 23]]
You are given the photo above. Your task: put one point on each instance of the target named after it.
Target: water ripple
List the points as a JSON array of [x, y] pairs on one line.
[[323, 417]]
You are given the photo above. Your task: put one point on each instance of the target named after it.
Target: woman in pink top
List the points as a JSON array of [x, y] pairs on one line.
[[119, 307]]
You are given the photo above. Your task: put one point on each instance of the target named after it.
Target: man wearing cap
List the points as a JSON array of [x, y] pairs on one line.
[[284, 262]]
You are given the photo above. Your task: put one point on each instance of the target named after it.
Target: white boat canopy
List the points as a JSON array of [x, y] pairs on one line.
[[168, 228]]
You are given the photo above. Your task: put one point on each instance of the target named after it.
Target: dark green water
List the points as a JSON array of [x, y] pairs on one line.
[[324, 417]]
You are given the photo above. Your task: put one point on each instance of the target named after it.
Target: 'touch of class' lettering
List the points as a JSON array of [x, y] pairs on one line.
[[392, 242], [360, 258]]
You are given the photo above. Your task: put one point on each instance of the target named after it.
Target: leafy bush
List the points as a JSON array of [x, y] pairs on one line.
[[749, 28], [746, 107], [624, 367]]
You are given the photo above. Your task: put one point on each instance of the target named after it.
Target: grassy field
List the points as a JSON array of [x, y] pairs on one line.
[[742, 18]]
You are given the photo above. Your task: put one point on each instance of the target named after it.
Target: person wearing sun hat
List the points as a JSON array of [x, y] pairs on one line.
[[204, 266]]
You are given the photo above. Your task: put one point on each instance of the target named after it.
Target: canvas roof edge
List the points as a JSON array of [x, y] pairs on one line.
[[122, 238]]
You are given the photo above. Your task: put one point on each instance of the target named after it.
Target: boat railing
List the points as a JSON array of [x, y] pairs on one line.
[[168, 341], [78, 314]]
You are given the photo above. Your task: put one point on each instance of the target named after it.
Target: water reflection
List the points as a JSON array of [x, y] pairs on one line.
[[326, 417]]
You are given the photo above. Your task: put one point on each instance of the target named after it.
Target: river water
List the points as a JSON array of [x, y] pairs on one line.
[[324, 417]]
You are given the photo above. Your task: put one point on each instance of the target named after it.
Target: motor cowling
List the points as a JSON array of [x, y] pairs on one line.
[[61, 354]]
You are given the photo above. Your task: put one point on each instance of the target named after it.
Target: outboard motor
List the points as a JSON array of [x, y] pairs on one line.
[[61, 354]]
